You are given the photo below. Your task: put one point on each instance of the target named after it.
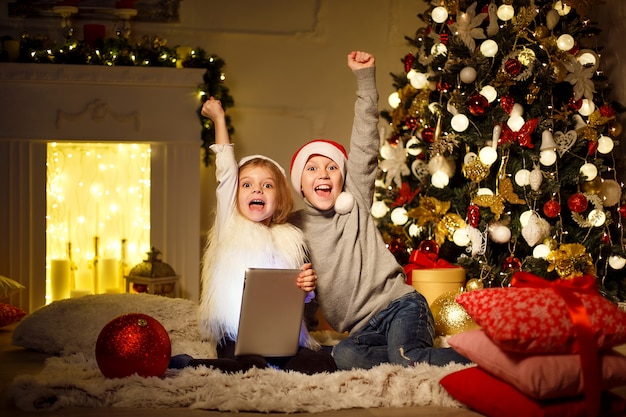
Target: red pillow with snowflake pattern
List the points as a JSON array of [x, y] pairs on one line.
[[536, 320]]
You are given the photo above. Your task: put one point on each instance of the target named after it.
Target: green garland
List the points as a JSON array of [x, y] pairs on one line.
[[148, 52]]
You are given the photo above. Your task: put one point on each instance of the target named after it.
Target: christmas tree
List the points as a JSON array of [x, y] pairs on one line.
[[499, 155]]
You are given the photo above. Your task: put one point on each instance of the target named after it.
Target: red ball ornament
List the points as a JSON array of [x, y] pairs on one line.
[[578, 203], [507, 102], [513, 67], [430, 248], [622, 210], [477, 104], [592, 147], [133, 343], [511, 263], [551, 209]]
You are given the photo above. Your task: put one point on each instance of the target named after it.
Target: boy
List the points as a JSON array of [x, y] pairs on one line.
[[361, 288]]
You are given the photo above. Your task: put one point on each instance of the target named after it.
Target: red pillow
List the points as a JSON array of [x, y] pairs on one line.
[[10, 314], [538, 376], [535, 320], [494, 398]]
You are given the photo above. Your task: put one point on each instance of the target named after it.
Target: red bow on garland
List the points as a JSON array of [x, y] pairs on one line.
[[422, 260], [522, 136], [567, 289]]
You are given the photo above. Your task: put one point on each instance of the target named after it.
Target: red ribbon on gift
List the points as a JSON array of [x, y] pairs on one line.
[[588, 349], [422, 260]]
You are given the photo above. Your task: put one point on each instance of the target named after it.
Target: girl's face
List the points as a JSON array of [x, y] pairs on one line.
[[321, 182], [256, 195]]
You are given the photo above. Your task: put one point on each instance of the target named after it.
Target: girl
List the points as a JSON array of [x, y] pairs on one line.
[[253, 203]]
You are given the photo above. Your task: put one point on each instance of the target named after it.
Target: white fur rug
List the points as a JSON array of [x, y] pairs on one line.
[[76, 381], [69, 328]]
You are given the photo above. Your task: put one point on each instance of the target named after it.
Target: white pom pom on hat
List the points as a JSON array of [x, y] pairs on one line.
[[329, 149]]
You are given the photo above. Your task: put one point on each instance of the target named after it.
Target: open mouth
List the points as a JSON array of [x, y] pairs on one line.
[[323, 190], [256, 203]]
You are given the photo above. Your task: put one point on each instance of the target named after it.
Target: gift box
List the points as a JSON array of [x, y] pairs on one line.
[[434, 282]]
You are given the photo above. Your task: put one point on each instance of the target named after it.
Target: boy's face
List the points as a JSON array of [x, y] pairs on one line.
[[256, 195], [321, 182]]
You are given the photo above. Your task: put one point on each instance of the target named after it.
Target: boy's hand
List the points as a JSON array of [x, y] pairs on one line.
[[360, 59], [307, 280]]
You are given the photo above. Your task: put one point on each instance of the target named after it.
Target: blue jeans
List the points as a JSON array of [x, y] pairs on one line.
[[403, 333]]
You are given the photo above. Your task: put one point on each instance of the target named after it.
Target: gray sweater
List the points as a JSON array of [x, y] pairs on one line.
[[357, 275]]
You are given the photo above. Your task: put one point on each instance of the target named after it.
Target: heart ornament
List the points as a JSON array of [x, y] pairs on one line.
[[565, 141]]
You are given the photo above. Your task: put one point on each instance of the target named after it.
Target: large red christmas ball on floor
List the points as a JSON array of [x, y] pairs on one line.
[[133, 343]]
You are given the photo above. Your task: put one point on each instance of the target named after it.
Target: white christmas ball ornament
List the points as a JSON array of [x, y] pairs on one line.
[[596, 217], [439, 14], [541, 251], [488, 155], [399, 216], [489, 93], [484, 191], [589, 171], [440, 179], [461, 237], [419, 80], [412, 147], [394, 99], [505, 12], [387, 151], [565, 42], [610, 192], [414, 230], [489, 48], [468, 75], [525, 216], [499, 233], [515, 122], [379, 209], [459, 122], [587, 107], [617, 262], [547, 157], [522, 177], [605, 144], [439, 49]]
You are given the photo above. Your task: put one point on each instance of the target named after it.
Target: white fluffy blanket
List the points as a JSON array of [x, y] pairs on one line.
[[76, 381], [69, 328]]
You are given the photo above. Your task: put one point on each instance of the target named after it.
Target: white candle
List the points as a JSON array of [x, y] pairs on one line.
[[84, 280], [108, 275], [59, 279]]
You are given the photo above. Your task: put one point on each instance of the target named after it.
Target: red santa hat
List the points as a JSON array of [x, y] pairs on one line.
[[329, 149]]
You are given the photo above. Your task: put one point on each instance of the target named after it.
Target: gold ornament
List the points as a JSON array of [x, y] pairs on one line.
[[571, 260], [446, 227], [495, 203], [560, 72], [429, 210], [475, 170], [594, 186], [450, 317], [474, 284], [615, 128], [506, 191]]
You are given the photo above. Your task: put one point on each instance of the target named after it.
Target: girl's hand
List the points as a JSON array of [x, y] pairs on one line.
[[307, 279]]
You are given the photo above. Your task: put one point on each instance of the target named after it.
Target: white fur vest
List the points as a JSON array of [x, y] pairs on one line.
[[245, 244]]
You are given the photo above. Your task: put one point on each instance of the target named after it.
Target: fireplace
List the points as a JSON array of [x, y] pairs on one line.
[[47, 105]]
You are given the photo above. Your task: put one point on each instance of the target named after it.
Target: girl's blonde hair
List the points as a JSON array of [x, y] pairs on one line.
[[284, 198]]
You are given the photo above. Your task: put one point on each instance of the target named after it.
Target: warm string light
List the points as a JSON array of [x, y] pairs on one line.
[[97, 190]]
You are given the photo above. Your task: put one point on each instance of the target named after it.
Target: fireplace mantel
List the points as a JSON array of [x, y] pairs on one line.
[[49, 102]]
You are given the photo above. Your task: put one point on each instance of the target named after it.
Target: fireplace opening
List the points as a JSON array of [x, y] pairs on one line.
[[97, 215]]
